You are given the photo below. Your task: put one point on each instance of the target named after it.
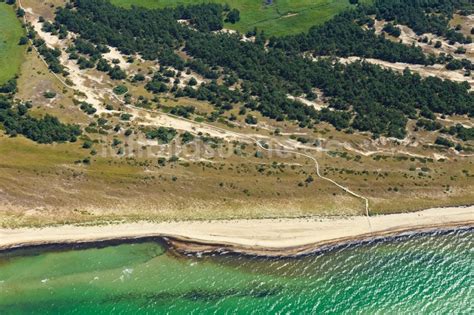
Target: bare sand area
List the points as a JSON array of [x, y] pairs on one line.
[[267, 237], [437, 70]]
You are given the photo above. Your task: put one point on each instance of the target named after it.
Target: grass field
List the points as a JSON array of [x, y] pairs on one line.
[[283, 17], [11, 54]]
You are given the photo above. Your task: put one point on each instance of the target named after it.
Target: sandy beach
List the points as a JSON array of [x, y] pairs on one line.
[[269, 237]]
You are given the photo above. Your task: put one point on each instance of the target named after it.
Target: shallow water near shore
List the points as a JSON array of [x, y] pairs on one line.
[[414, 274]]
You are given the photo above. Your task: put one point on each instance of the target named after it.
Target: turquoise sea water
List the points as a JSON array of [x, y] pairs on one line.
[[415, 274]]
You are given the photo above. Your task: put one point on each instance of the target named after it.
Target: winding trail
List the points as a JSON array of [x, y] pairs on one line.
[[259, 144], [366, 200]]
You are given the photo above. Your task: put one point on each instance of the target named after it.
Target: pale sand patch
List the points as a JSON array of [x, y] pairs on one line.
[[317, 104], [440, 157], [184, 22], [409, 37], [393, 152], [436, 70], [225, 30], [465, 124], [264, 237], [289, 15], [76, 76], [229, 31], [114, 53], [145, 118], [51, 40], [79, 78]]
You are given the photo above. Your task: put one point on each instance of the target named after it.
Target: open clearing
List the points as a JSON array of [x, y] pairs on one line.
[[282, 17], [11, 54]]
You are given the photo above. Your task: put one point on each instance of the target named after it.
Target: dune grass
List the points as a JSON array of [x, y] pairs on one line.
[[11, 54], [282, 17]]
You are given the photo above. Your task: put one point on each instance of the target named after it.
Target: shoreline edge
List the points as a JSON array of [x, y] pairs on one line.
[[260, 237]]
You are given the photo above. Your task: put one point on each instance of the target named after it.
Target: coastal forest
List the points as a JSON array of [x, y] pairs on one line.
[[364, 97]]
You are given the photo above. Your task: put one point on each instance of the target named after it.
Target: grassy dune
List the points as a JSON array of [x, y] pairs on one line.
[[11, 54], [283, 17]]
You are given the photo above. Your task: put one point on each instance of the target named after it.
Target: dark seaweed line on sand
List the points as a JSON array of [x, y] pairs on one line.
[[170, 244]]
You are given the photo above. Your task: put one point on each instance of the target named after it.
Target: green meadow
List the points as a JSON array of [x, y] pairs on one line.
[[281, 17], [11, 54]]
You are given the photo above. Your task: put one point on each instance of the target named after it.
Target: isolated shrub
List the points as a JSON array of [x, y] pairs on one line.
[[120, 89], [49, 94]]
